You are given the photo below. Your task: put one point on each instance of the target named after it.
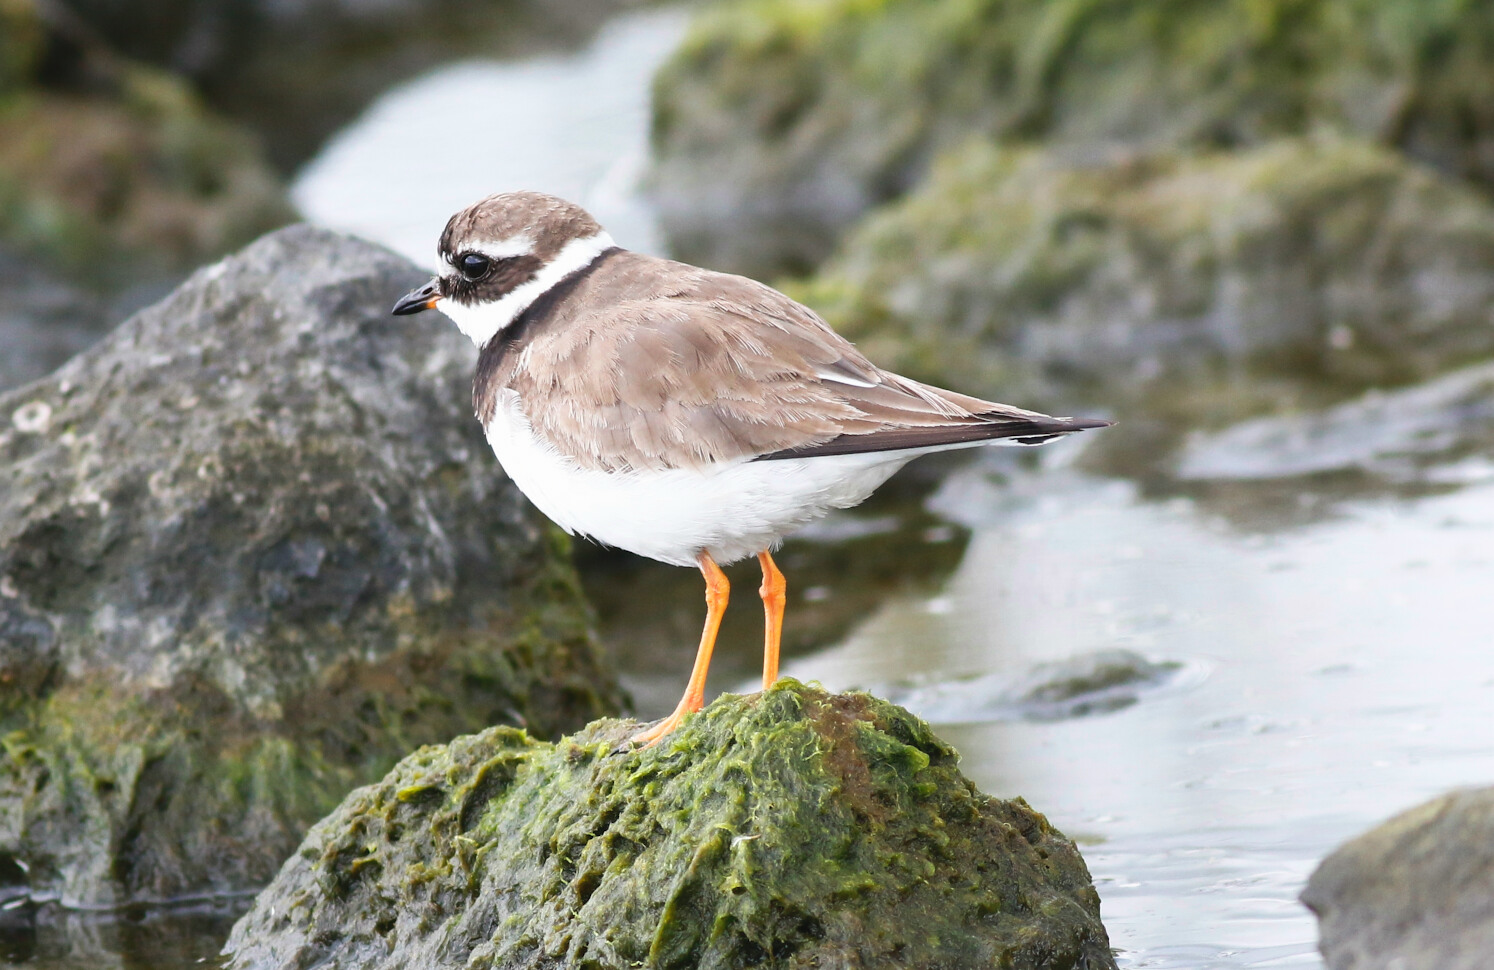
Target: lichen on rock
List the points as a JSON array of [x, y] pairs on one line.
[[253, 549], [789, 829]]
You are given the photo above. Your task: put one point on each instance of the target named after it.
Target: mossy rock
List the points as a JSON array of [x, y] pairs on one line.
[[778, 121], [139, 184], [790, 829], [253, 550], [1319, 263]]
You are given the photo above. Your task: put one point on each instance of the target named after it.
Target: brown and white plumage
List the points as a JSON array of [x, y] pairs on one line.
[[645, 364], [682, 414]]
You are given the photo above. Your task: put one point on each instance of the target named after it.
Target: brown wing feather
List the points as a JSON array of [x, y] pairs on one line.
[[715, 368]]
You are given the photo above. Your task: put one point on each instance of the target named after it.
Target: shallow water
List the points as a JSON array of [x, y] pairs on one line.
[[1327, 643], [1336, 673]]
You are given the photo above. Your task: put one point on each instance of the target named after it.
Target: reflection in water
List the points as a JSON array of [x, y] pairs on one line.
[[183, 938]]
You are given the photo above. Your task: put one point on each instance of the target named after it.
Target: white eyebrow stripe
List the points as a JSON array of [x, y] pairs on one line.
[[521, 245], [483, 320]]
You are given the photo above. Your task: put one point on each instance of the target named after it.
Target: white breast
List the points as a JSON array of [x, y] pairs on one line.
[[732, 511]]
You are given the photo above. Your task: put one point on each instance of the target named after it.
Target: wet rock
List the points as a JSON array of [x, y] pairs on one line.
[[1416, 893], [1042, 277], [792, 829], [1392, 434], [777, 124], [253, 549], [1092, 683], [43, 321]]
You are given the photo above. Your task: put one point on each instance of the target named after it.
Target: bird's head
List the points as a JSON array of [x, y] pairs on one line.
[[501, 254]]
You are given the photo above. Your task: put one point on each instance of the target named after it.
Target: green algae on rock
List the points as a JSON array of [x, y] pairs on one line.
[[789, 829], [779, 121], [1036, 275], [252, 552]]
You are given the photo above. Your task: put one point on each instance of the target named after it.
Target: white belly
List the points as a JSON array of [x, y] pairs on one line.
[[731, 511]]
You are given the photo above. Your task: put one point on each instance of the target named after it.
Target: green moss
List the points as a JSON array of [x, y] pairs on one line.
[[118, 795], [787, 829], [1048, 279], [813, 113]]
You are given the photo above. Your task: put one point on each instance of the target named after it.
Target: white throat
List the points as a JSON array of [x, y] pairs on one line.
[[482, 321]]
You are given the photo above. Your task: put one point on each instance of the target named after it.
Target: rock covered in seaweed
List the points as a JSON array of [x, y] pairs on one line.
[[789, 829], [778, 123], [253, 549], [1414, 893], [1038, 275]]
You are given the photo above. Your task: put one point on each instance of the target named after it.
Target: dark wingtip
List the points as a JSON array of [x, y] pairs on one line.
[[1085, 424]]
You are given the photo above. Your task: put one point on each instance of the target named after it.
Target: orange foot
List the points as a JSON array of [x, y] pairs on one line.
[[718, 591]]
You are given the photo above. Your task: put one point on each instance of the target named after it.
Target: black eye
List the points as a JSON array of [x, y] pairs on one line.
[[474, 266]]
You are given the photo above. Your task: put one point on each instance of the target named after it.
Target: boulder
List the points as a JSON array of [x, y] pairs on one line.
[[776, 124], [110, 190], [1322, 264], [253, 549], [1416, 893], [788, 829]]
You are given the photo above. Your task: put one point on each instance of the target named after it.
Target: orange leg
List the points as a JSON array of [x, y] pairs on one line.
[[773, 592], [718, 590]]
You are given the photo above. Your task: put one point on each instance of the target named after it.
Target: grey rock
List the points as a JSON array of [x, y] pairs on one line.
[[253, 549], [1092, 683], [1199, 285], [1416, 893]]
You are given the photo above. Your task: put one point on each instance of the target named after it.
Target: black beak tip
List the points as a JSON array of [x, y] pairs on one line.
[[417, 300]]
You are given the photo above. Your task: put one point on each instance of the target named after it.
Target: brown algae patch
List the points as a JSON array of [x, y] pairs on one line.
[[794, 828]]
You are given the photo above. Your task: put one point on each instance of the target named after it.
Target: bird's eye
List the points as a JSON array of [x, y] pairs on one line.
[[474, 266]]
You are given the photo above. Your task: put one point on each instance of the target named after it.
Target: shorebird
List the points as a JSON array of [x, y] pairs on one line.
[[685, 415]]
